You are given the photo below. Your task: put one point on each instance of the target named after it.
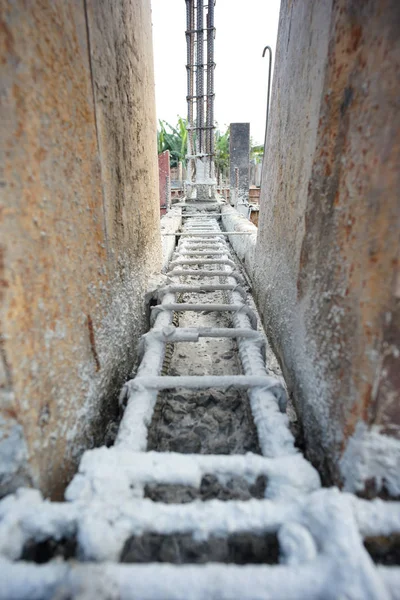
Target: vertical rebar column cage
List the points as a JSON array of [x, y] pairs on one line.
[[200, 121]]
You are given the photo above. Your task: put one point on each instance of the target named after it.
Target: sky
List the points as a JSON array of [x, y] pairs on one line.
[[241, 74]]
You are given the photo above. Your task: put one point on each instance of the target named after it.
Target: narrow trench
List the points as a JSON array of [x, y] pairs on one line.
[[194, 422], [198, 422], [210, 421], [205, 422]]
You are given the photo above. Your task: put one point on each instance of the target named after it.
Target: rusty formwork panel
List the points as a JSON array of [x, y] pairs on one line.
[[79, 167], [328, 244]]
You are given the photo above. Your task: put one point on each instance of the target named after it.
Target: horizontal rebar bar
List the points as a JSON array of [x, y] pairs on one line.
[[187, 242], [216, 247], [203, 244], [198, 382], [192, 334], [174, 468], [178, 307], [221, 233], [202, 253], [203, 261], [198, 289], [203, 273]]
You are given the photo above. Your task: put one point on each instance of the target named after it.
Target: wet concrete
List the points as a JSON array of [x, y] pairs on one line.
[[242, 548], [210, 421], [236, 488]]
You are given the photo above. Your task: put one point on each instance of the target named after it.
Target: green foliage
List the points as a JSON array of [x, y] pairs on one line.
[[257, 153], [173, 139]]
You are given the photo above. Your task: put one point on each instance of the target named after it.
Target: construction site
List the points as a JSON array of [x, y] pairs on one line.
[[199, 383]]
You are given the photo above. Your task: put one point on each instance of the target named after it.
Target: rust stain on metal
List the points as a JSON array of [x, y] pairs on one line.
[[93, 342], [345, 235]]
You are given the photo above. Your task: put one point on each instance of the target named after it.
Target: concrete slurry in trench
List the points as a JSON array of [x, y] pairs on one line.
[[204, 422], [209, 421]]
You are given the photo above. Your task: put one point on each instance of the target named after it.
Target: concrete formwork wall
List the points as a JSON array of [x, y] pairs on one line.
[[328, 244], [164, 181], [239, 162], [79, 225]]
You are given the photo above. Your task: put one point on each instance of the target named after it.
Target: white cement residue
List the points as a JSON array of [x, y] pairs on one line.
[[287, 477], [371, 455], [328, 516], [13, 452], [170, 223]]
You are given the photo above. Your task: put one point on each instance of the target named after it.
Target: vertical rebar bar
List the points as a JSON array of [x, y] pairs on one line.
[[190, 25], [210, 85], [268, 95], [200, 79], [188, 65]]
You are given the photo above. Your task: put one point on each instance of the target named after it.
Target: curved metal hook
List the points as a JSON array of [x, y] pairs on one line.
[[269, 88]]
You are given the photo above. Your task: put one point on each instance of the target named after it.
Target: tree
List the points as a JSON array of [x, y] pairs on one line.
[[256, 152], [173, 139]]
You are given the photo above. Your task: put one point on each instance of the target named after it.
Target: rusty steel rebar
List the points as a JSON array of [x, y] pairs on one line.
[[200, 30], [210, 85], [190, 37], [200, 78], [268, 93]]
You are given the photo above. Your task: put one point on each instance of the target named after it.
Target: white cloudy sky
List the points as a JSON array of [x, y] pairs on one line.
[[243, 28]]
